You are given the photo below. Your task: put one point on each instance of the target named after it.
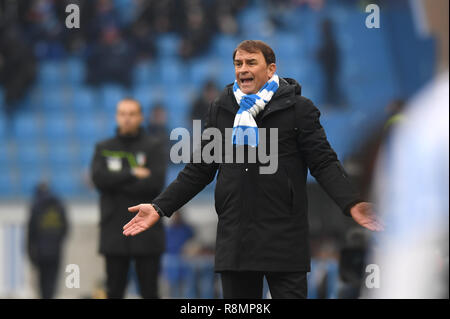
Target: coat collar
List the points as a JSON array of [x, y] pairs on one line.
[[283, 98], [130, 138]]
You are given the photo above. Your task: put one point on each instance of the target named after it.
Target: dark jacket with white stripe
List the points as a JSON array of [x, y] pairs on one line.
[[120, 189]]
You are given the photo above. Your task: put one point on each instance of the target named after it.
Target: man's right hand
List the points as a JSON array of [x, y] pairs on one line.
[[146, 217], [141, 172]]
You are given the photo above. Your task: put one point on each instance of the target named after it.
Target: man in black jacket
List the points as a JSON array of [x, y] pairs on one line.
[[126, 169], [47, 229], [263, 225]]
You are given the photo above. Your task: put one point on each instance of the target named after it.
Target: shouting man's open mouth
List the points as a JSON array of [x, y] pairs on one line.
[[246, 81]]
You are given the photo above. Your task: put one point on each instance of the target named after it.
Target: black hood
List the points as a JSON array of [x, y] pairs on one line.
[[291, 83]]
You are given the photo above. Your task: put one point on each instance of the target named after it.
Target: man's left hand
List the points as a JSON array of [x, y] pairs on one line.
[[363, 214]]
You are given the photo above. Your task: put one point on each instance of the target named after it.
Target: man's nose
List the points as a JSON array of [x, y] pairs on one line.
[[244, 68]]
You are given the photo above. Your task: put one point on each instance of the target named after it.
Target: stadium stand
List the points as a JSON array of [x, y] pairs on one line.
[[61, 117]]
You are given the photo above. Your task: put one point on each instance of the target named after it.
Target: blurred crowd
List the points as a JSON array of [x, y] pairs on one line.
[[135, 23], [114, 35]]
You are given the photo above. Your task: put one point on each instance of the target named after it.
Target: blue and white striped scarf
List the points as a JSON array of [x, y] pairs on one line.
[[245, 130]]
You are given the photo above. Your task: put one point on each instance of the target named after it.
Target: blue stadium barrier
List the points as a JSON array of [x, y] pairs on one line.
[[223, 45], [172, 71], [167, 45], [147, 95], [125, 10], [296, 19], [30, 154], [226, 76], [3, 129], [8, 186], [33, 98], [66, 181], [110, 125], [75, 72], [199, 277], [87, 153], [200, 70], [50, 73], [55, 99], [252, 20], [286, 45], [321, 269], [57, 126], [61, 154], [84, 100], [145, 73], [25, 126], [2, 98], [178, 106], [89, 127], [309, 29], [5, 160], [28, 180], [110, 95], [405, 36]]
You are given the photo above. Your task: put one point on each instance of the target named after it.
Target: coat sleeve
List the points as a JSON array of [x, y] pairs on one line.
[[190, 181], [65, 221], [32, 235], [152, 185], [322, 160], [103, 178]]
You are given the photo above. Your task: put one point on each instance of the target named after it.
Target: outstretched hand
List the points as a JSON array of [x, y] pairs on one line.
[[363, 214], [146, 217]]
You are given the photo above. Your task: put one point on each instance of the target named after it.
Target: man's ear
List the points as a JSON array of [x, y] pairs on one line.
[[272, 69]]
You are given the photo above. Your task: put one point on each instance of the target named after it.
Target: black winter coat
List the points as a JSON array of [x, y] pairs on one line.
[[262, 218], [120, 189], [47, 228]]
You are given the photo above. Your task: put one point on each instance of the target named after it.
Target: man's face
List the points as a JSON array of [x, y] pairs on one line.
[[159, 116], [128, 117], [251, 71]]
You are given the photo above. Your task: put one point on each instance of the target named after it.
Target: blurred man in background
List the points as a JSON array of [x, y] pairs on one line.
[[178, 233], [412, 186], [127, 168], [17, 66], [329, 60], [157, 126], [201, 104], [47, 229], [352, 263], [111, 60]]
